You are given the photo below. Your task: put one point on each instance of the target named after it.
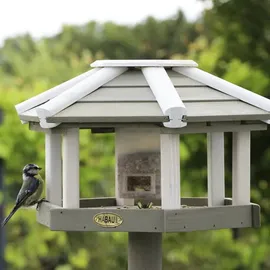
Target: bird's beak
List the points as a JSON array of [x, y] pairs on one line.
[[39, 168]]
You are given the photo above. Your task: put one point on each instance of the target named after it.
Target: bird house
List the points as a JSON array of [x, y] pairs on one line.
[[148, 104]]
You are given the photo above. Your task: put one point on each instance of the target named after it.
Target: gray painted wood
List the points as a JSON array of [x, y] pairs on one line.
[[256, 217], [195, 128], [198, 217], [144, 251], [97, 202], [150, 112], [144, 94], [136, 78], [111, 112], [111, 201], [191, 128], [223, 111], [208, 218], [44, 213], [134, 219]]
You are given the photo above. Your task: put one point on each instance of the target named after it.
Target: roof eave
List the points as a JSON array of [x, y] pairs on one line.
[[225, 87]]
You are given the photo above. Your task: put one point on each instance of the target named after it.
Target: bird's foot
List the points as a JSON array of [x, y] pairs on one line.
[[40, 202]]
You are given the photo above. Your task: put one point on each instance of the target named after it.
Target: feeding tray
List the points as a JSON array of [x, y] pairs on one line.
[[102, 214]]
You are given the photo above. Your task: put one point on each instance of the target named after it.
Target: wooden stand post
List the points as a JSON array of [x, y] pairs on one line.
[[170, 171], [71, 187], [241, 168], [53, 162], [215, 165], [144, 251]]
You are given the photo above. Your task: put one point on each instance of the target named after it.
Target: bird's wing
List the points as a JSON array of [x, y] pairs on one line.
[[28, 188]]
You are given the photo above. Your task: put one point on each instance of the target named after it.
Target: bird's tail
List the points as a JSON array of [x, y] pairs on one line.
[[9, 216]]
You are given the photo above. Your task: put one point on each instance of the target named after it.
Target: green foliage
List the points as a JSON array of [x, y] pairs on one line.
[[222, 45]]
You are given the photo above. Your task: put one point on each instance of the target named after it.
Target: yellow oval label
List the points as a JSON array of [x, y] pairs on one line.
[[108, 220]]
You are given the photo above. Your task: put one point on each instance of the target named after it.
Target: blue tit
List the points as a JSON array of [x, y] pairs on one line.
[[31, 190]]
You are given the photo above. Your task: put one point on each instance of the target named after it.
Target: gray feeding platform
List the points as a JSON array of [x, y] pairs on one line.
[[195, 215]]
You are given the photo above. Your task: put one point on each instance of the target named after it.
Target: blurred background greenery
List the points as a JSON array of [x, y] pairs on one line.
[[231, 40]]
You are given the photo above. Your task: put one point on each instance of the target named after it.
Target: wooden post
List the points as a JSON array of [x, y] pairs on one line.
[[71, 187], [241, 168], [145, 251], [170, 171], [215, 166], [53, 163]]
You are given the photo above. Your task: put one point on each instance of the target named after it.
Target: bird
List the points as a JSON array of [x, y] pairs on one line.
[[31, 190]]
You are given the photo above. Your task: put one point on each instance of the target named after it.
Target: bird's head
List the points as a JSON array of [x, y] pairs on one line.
[[31, 169]]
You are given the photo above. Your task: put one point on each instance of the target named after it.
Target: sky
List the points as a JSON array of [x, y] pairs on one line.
[[45, 18]]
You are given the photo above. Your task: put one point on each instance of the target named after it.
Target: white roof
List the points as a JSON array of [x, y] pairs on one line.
[[172, 92], [144, 63]]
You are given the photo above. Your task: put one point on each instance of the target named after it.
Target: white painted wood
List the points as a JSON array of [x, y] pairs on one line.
[[226, 87], [78, 91], [241, 168], [71, 159], [170, 171], [53, 164], [166, 96], [51, 93], [144, 63], [267, 121], [124, 94], [215, 168], [44, 124], [31, 115]]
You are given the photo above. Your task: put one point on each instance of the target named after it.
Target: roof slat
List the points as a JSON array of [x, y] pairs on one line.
[[150, 112], [136, 78], [223, 111], [144, 94], [111, 112]]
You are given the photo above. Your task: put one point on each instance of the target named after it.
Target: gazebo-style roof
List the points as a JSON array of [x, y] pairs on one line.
[[172, 92]]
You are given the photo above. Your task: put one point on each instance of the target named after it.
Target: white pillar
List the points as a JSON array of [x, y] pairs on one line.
[[170, 171], [53, 164], [241, 168], [215, 168], [71, 185]]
